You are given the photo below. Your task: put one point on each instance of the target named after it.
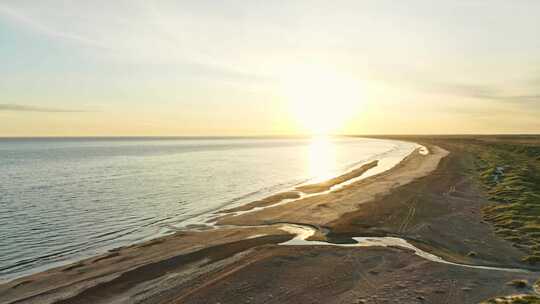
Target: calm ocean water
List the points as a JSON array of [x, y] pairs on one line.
[[65, 199]]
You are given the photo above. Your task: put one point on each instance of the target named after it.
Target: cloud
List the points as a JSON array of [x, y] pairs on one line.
[[490, 93], [26, 108], [518, 98], [23, 19]]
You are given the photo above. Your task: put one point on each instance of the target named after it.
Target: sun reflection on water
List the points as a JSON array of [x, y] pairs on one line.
[[322, 159]]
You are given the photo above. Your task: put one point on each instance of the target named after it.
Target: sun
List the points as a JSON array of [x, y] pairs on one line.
[[321, 100]]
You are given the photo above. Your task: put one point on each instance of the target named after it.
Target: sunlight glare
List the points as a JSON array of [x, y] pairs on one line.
[[322, 159], [321, 100]]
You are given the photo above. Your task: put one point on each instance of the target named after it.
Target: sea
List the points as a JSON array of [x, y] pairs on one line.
[[65, 199]]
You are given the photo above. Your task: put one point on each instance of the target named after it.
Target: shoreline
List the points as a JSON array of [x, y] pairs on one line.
[[367, 169], [200, 219], [355, 172], [221, 264], [112, 255], [315, 210]]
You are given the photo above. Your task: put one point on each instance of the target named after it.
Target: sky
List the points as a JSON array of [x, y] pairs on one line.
[[143, 67]]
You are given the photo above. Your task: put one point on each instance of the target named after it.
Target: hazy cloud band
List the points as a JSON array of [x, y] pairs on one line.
[[27, 108]]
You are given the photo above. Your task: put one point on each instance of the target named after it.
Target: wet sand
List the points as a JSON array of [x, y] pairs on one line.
[[427, 200], [327, 185], [265, 202]]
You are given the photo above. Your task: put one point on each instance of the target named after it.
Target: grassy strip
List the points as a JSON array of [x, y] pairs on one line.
[[517, 299], [524, 299], [511, 174]]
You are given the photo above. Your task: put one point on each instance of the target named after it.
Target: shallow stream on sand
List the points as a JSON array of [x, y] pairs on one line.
[[304, 232]]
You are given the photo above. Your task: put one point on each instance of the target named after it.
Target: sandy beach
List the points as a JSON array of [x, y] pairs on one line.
[[427, 200], [270, 152]]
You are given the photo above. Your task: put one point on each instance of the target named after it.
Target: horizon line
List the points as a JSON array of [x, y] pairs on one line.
[[259, 136]]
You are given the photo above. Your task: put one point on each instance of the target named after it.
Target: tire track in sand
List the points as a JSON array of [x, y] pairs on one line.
[[410, 215]]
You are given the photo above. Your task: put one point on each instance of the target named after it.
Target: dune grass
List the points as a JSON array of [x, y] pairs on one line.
[[511, 175], [519, 298], [524, 299]]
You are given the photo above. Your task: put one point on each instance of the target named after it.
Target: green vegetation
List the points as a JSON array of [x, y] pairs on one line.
[[517, 299], [519, 283], [510, 172], [511, 175], [525, 299]]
